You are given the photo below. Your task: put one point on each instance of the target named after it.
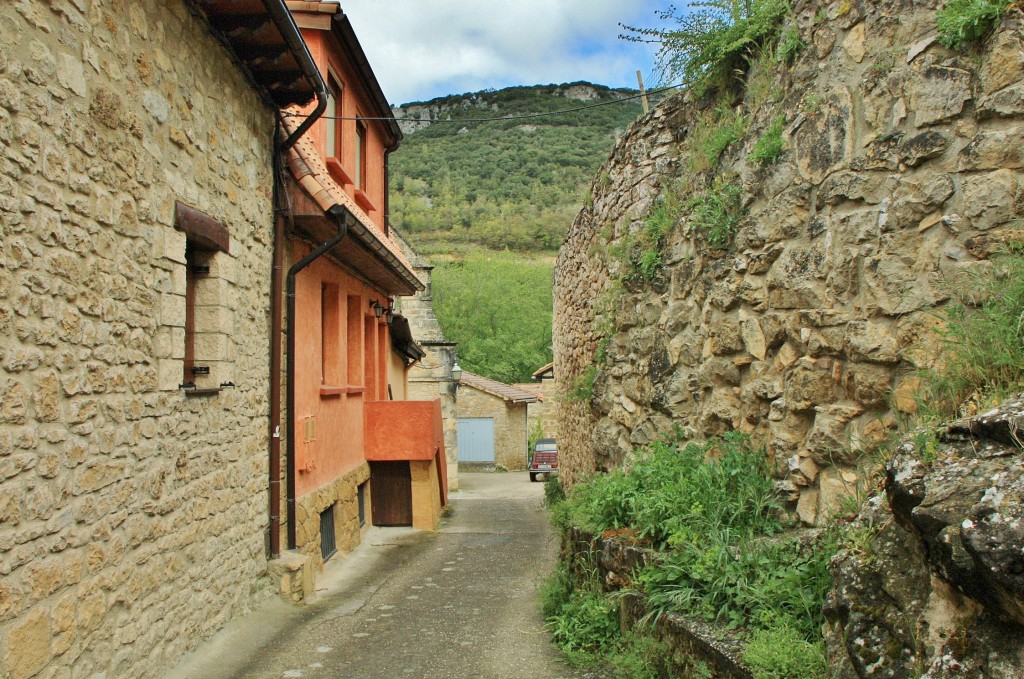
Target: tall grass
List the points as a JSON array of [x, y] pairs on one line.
[[983, 341]]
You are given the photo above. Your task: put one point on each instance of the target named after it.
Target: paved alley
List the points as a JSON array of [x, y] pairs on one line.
[[461, 602]]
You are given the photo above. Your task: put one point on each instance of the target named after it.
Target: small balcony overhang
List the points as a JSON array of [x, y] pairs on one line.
[[411, 431]]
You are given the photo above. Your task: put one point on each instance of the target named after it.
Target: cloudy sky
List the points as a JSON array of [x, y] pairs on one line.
[[421, 49]]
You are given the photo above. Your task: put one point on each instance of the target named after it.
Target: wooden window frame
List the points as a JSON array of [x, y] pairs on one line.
[[360, 166], [335, 92], [204, 238]]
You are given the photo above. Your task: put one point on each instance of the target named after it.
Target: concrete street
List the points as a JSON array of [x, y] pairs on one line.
[[461, 602]]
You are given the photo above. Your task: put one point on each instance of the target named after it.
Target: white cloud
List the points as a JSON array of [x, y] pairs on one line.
[[420, 49]]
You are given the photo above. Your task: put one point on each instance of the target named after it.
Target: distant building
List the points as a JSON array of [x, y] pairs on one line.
[[492, 423]]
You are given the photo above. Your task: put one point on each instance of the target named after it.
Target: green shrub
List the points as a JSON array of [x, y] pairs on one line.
[[588, 622], [556, 591], [554, 491], [962, 22], [717, 211], [768, 148], [673, 492], [711, 42], [782, 653], [732, 576], [639, 656]]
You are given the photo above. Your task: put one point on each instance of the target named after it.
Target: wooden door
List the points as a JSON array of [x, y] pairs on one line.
[[391, 493]]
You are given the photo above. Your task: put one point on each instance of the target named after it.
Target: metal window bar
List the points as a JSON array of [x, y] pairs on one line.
[[328, 544], [361, 496]]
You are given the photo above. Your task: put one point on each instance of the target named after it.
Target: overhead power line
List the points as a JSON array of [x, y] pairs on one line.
[[521, 116]]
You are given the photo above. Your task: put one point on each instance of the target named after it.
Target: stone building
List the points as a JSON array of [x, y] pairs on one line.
[[433, 376], [492, 422], [136, 218]]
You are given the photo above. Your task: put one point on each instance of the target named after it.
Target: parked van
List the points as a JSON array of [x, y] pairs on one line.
[[545, 458]]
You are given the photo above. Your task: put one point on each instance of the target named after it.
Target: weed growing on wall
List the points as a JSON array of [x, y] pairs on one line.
[[963, 22], [717, 211], [713, 134], [768, 147], [652, 238], [581, 389], [790, 46], [983, 341]]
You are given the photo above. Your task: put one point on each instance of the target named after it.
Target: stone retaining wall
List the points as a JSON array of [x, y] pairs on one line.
[[132, 516], [901, 174]]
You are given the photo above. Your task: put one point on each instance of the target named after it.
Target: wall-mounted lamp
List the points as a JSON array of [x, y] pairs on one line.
[[389, 315], [378, 310], [456, 372]]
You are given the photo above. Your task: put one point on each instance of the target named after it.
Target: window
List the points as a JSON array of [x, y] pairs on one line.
[[360, 155], [207, 318], [332, 117], [197, 270], [330, 335], [354, 338]]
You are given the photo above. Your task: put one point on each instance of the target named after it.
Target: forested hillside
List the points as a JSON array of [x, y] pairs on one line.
[[511, 183]]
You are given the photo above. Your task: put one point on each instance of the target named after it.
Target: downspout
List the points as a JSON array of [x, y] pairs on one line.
[[344, 219], [283, 18]]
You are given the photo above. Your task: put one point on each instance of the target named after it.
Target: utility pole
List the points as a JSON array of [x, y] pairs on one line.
[[643, 92]]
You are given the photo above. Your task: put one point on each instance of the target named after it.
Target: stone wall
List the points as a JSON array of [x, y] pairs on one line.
[[901, 172], [509, 424], [342, 493], [431, 377], [132, 516]]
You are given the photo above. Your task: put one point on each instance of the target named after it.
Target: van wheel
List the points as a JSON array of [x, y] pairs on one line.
[[533, 476]]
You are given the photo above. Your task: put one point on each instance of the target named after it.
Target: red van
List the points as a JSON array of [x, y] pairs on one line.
[[545, 458]]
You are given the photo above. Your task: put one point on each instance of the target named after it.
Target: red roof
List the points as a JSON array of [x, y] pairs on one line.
[[503, 391]]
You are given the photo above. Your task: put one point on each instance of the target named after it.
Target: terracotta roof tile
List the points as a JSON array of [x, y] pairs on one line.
[[311, 172], [540, 371], [531, 387], [499, 389]]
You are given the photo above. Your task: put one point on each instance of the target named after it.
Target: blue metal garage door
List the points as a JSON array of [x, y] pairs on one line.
[[476, 439]]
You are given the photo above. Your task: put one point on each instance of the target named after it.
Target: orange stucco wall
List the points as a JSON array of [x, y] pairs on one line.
[[330, 395], [414, 431], [355, 103]]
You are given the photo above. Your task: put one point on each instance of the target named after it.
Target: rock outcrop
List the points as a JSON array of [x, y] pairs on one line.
[[901, 171], [933, 582]]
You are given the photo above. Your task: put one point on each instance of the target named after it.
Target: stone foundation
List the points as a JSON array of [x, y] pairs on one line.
[[342, 493]]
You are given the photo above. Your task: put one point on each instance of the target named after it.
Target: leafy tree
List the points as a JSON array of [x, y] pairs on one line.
[[497, 306], [710, 42]]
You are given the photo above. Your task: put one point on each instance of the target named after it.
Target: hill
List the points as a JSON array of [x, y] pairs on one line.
[[503, 183]]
